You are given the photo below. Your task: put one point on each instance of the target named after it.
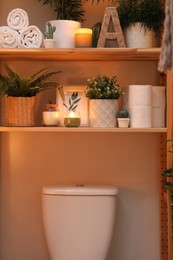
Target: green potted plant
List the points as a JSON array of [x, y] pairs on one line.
[[49, 42], [20, 93], [123, 118], [103, 93], [139, 19]]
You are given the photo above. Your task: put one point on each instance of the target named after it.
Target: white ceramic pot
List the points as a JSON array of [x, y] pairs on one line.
[[65, 33], [136, 36], [102, 112], [49, 43], [123, 122]]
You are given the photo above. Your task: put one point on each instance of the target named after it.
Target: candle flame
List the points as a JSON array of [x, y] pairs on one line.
[[72, 114]]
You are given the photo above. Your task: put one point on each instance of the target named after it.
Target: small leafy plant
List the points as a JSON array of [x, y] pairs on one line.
[[50, 31], [122, 113], [72, 102], [16, 86], [103, 87]]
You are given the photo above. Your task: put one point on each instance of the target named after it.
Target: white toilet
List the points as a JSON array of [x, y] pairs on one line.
[[79, 221]]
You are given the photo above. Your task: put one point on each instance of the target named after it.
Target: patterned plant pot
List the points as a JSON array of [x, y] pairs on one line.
[[102, 112], [136, 36], [19, 111]]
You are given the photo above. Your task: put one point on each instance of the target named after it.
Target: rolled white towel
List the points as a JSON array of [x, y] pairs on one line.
[[140, 95], [9, 38], [140, 116], [158, 96], [30, 37], [17, 19]]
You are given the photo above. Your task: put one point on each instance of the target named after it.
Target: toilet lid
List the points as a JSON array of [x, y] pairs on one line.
[[80, 190]]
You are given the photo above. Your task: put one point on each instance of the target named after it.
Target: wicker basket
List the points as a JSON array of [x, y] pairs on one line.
[[19, 111]]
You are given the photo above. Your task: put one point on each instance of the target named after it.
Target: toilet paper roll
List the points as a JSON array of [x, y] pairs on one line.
[[140, 95], [158, 117], [158, 96], [140, 116]]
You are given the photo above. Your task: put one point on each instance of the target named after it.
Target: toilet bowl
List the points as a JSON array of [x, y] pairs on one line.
[[79, 221]]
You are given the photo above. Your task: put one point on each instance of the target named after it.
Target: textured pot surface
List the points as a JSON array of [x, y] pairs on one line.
[[136, 36], [102, 112], [19, 111]]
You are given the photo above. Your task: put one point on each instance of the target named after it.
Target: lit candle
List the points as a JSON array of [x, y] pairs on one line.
[[83, 38], [72, 119]]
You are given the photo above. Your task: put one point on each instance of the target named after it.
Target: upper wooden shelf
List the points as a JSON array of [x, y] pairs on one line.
[[80, 54], [83, 129]]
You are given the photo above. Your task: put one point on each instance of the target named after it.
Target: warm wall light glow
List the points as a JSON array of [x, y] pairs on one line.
[[83, 37]]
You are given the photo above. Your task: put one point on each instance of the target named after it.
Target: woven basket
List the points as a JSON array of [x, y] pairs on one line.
[[19, 111]]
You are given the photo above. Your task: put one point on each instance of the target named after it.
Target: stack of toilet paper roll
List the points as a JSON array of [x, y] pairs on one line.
[[140, 106], [158, 106], [146, 105]]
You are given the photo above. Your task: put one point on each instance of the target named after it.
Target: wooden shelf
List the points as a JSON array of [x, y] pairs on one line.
[[82, 129], [80, 54]]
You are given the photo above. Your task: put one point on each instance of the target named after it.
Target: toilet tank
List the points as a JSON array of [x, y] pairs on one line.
[[79, 218]]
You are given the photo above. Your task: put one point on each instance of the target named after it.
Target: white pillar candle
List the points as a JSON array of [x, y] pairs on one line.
[[83, 38], [51, 118]]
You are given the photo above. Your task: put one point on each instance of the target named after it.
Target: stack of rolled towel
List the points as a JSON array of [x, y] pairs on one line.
[[18, 33], [146, 105]]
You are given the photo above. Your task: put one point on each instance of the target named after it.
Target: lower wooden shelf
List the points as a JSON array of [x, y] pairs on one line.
[[82, 129]]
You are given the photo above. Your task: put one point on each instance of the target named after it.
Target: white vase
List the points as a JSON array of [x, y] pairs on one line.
[[136, 36], [64, 34], [102, 112]]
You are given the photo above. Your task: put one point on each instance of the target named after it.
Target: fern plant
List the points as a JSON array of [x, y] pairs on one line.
[[150, 13], [14, 85]]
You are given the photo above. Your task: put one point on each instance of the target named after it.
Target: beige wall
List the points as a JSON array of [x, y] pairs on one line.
[[31, 160], [39, 14]]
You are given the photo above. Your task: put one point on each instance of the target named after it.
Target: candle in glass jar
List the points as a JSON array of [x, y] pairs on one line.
[[51, 117], [83, 38], [72, 119]]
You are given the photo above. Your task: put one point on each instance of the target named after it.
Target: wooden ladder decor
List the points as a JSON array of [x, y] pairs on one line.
[[111, 14]]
